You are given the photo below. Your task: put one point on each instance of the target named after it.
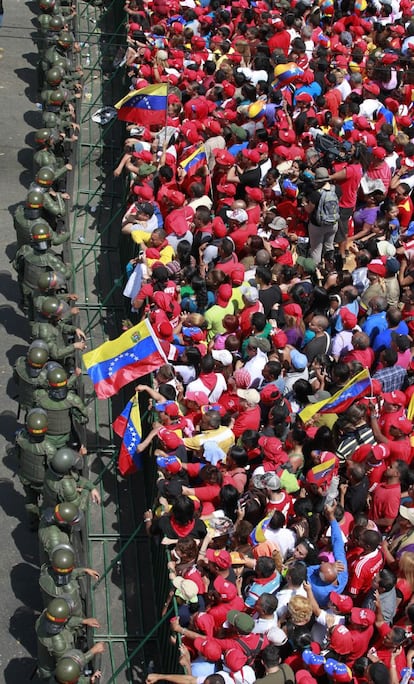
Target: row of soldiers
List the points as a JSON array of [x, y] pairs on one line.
[[49, 452]]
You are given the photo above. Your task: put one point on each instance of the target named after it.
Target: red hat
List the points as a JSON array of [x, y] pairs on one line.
[[389, 58], [235, 659], [203, 622], [251, 155], [360, 454], [262, 147], [269, 394], [278, 23], [304, 677], [341, 640], [223, 157], [219, 227], [228, 89], [227, 188], [280, 243], [198, 42], [396, 397], [279, 339], [379, 152], [392, 104], [213, 126], [161, 299], [343, 602], [293, 310], [226, 589], [302, 97], [165, 331], [170, 439], [144, 155], [224, 293], [237, 275], [172, 410], [397, 28], [200, 398], [376, 266], [281, 151], [144, 192], [287, 136], [270, 446], [402, 424], [362, 616], [380, 451], [349, 320], [219, 557], [255, 194], [371, 88], [362, 123], [210, 649], [175, 197]]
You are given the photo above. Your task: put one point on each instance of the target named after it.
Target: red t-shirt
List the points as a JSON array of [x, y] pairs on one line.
[[285, 505], [360, 643], [247, 420], [361, 573], [364, 356], [405, 212], [350, 186], [385, 502], [400, 450], [384, 654], [241, 235]]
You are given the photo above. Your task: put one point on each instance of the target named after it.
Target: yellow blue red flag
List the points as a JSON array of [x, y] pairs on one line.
[[128, 426], [359, 386], [117, 362], [145, 106], [194, 160]]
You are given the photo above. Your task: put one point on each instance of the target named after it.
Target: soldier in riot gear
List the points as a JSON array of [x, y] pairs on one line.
[[59, 579], [63, 481], [56, 633], [53, 330], [27, 373], [63, 408], [33, 450], [56, 527], [53, 202], [47, 156], [69, 668], [52, 283], [32, 260], [28, 215]]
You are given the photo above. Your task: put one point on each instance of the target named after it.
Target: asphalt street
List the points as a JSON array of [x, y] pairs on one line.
[[20, 598]]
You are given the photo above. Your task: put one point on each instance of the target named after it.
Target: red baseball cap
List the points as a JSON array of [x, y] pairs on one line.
[[343, 602], [341, 640], [209, 648], [255, 194], [401, 423], [219, 557], [362, 616], [396, 397], [169, 438], [226, 589], [223, 157], [226, 188], [252, 155], [237, 275], [371, 88], [200, 398], [293, 310], [224, 293], [280, 243], [379, 152], [287, 135]]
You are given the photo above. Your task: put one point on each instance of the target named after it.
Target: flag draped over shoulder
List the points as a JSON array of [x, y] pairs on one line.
[[146, 106], [354, 389], [116, 363], [194, 161], [128, 427]]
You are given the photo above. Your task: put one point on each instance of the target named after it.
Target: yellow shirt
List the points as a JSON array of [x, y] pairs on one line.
[[222, 436]]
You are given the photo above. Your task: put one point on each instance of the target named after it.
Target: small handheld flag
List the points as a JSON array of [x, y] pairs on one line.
[[146, 106], [128, 426]]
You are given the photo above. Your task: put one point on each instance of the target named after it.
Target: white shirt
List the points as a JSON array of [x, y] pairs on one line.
[[270, 628], [216, 392], [283, 598], [284, 538], [254, 367]]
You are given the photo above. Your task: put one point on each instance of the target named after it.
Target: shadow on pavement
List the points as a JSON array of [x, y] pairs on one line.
[[14, 323], [24, 581], [21, 627], [20, 670]]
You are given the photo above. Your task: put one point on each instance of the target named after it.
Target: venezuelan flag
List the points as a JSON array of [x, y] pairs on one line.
[[146, 106], [117, 362], [354, 389], [194, 161], [128, 426]]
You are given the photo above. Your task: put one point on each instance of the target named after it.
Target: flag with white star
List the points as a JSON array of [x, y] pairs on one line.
[[128, 427]]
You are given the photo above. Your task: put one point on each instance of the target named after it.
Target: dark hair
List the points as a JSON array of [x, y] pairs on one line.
[[207, 364], [297, 573], [371, 539], [277, 521], [239, 455], [389, 357], [387, 579], [265, 566], [271, 656], [229, 497], [269, 603], [379, 673], [200, 290], [183, 510], [312, 556]]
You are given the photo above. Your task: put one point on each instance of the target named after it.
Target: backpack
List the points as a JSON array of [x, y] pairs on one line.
[[328, 207]]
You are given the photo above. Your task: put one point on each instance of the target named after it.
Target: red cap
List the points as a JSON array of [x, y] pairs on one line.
[[262, 147], [175, 197], [362, 616], [341, 640], [255, 194], [200, 398], [401, 423], [224, 293], [144, 192], [287, 135], [362, 123], [281, 151], [144, 155], [227, 188], [349, 320], [170, 439], [293, 310], [302, 97], [280, 243], [226, 589], [269, 394], [165, 331], [376, 266], [379, 153], [209, 648], [371, 88], [343, 602], [252, 155], [223, 157], [237, 275], [219, 557], [396, 397]]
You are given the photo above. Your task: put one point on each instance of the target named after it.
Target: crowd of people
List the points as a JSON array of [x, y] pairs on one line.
[[271, 214]]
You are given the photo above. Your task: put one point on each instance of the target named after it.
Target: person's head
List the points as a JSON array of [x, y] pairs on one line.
[[265, 567], [185, 550], [300, 610], [277, 521], [384, 581], [394, 639], [360, 340], [228, 498], [270, 656], [393, 316], [305, 551], [296, 574], [406, 568], [237, 457], [266, 604], [377, 673], [211, 420], [378, 304], [388, 357], [370, 540], [183, 510], [328, 572]]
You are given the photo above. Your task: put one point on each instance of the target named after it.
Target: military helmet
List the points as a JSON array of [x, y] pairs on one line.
[[39, 344], [41, 236], [62, 560], [56, 23], [42, 136], [57, 611], [52, 307], [36, 422], [57, 378], [65, 39], [63, 460], [37, 357], [50, 280], [55, 75], [62, 62], [67, 514], [34, 199], [47, 5], [67, 671], [45, 176], [57, 97], [50, 119]]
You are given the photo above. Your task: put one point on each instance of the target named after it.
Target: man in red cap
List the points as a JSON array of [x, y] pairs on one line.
[[385, 501], [378, 168], [246, 172]]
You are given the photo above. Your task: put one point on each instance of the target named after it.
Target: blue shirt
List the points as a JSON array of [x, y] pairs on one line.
[[320, 589], [375, 324], [383, 339], [259, 588]]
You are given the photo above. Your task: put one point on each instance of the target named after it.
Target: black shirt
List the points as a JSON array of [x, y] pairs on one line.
[[251, 179]]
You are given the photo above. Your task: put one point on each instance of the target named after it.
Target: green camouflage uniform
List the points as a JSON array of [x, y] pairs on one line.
[[50, 648], [60, 413], [33, 455]]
